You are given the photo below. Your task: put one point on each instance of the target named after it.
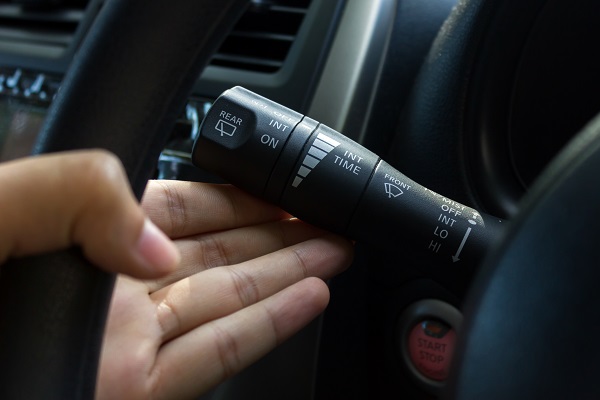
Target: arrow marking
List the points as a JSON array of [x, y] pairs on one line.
[[462, 244]]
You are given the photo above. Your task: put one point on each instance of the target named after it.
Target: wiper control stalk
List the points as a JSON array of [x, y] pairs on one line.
[[324, 178]]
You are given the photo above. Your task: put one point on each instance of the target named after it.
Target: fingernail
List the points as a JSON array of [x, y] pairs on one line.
[[157, 252]]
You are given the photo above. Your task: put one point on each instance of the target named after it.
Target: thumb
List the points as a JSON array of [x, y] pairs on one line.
[[80, 198]]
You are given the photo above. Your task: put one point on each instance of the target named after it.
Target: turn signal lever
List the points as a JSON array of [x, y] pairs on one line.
[[326, 179]]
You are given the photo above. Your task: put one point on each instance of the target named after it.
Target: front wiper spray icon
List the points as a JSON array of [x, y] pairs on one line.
[[393, 190]]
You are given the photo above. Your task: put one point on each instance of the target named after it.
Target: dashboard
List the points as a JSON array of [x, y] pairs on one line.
[[470, 98]]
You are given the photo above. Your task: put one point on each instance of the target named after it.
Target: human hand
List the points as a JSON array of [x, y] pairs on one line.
[[244, 286], [179, 335], [80, 198]]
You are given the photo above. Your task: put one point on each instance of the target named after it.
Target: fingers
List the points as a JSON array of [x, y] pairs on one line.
[[219, 349], [182, 208], [142, 327], [221, 291], [79, 198], [234, 246]]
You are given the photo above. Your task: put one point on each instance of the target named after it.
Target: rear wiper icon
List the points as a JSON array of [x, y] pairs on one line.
[[225, 128], [393, 190]]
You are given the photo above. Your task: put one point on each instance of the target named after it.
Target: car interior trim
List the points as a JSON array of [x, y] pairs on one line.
[[353, 65]]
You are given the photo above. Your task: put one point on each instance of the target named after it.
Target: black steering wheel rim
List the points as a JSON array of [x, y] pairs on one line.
[[534, 306], [123, 92], [534, 303]]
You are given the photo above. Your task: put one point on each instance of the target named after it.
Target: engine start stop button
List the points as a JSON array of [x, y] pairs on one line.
[[430, 348], [427, 334]]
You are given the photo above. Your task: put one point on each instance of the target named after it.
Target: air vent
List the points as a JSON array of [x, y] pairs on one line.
[[44, 28], [262, 39]]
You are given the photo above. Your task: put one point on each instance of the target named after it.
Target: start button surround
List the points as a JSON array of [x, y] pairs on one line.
[[427, 332]]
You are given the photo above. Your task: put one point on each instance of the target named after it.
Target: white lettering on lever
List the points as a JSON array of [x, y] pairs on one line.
[[231, 118], [278, 125], [355, 169]]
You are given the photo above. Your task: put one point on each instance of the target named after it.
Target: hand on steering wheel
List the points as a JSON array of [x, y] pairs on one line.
[[246, 280]]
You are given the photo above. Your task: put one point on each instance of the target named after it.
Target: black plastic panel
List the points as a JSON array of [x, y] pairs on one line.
[[556, 88]]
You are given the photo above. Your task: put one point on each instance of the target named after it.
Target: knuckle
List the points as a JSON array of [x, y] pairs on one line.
[[245, 286], [102, 167], [100, 176], [227, 351], [300, 260], [212, 251], [168, 318], [176, 208]]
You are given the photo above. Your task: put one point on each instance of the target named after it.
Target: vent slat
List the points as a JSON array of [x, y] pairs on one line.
[[39, 37], [249, 60], [34, 27], [263, 37], [15, 12], [288, 9]]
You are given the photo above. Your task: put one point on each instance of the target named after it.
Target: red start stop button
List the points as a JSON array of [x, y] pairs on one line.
[[430, 348]]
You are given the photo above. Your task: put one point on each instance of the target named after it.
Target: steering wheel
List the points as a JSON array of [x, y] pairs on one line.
[[123, 92], [532, 310]]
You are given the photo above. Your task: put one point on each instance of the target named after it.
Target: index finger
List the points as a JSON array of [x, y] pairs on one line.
[[182, 209]]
